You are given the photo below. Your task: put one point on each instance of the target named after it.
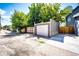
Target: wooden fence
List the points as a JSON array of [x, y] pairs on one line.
[[28, 30], [66, 29]]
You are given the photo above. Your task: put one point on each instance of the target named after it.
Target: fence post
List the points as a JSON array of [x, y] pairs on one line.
[[34, 29]]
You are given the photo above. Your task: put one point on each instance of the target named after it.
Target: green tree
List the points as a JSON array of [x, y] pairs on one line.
[[19, 20], [6, 27], [33, 16], [54, 12], [45, 13], [42, 12]]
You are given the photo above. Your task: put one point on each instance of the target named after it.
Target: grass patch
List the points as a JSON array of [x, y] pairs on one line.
[[40, 41]]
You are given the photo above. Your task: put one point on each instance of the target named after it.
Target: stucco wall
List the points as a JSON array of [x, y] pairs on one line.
[[42, 29], [54, 27]]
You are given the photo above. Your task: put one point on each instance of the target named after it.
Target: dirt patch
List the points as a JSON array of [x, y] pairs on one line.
[[22, 46], [28, 47]]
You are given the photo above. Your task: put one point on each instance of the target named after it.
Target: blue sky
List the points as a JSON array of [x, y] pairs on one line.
[[6, 9]]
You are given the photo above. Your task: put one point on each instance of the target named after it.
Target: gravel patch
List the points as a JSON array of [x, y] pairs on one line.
[[22, 46], [28, 47]]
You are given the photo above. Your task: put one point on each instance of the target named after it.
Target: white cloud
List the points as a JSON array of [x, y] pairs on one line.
[[5, 18], [11, 12], [2, 12]]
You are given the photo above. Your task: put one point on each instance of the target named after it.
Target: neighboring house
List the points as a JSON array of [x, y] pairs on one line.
[[73, 20], [70, 19]]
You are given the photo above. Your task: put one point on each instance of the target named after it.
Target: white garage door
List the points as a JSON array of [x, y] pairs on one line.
[[42, 30]]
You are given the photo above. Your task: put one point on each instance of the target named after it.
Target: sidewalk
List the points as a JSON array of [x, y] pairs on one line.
[[70, 42]]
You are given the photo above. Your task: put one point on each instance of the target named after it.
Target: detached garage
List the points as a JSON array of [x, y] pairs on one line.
[[42, 30], [46, 29]]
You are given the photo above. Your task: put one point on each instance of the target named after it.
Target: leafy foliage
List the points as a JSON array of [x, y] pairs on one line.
[[39, 12], [19, 20], [6, 27], [42, 12], [33, 16]]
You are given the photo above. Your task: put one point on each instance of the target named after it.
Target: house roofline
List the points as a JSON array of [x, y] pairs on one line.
[[75, 8], [72, 11]]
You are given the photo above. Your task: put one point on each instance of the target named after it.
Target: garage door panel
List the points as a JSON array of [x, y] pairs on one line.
[[42, 30]]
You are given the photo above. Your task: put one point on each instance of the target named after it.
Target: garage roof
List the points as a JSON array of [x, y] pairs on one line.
[[76, 15]]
